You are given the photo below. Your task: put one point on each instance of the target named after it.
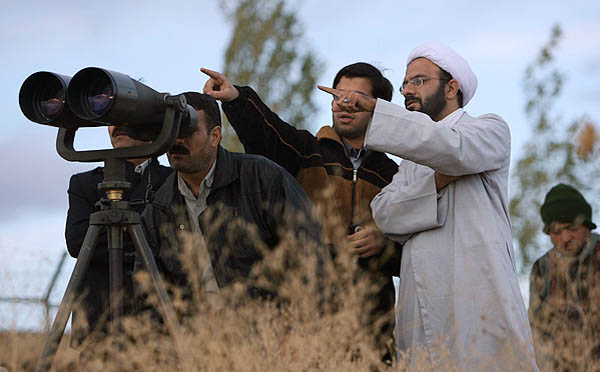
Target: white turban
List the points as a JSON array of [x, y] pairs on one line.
[[451, 62]]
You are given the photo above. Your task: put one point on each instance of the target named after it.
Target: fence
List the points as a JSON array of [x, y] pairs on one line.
[[44, 300]]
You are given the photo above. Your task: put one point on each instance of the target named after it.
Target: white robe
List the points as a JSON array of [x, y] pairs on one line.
[[458, 280]]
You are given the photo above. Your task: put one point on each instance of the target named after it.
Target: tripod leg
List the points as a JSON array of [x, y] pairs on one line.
[[66, 304], [115, 260], [144, 252]]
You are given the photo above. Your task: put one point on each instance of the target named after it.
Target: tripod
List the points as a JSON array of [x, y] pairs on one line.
[[115, 214]]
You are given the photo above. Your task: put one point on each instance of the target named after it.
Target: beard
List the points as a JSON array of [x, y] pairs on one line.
[[432, 105], [356, 130]]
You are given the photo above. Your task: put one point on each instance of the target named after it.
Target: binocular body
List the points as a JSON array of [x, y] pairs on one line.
[[99, 97]]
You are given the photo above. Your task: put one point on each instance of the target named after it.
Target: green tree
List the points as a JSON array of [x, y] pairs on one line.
[[266, 52], [549, 157]]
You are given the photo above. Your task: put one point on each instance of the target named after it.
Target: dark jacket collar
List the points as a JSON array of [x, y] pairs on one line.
[[328, 133], [226, 170]]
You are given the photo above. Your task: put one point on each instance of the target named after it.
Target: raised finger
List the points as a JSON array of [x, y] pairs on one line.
[[213, 74], [334, 92]]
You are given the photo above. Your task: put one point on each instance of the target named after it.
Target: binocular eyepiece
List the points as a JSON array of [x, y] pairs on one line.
[[98, 97]]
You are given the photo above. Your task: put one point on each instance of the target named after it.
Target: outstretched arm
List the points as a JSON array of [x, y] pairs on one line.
[[351, 101], [260, 130], [464, 146]]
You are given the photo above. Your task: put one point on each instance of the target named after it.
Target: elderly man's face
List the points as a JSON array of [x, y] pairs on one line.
[[196, 153], [430, 97], [569, 238]]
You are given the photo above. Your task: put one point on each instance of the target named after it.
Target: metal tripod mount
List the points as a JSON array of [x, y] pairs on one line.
[[115, 214]]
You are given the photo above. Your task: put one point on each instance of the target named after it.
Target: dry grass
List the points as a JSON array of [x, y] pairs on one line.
[[316, 323], [19, 351]]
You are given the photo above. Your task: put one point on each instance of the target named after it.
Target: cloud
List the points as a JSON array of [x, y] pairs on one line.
[[35, 178]]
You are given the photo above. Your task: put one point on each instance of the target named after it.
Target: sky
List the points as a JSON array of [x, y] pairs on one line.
[[166, 43]]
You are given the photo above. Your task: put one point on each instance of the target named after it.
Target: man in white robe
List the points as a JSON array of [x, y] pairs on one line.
[[459, 300]]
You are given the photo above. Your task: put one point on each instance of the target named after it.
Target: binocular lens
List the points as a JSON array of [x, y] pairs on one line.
[[100, 96], [42, 97], [51, 101]]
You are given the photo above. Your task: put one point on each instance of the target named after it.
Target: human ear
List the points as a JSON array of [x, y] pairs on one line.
[[215, 135], [452, 88]]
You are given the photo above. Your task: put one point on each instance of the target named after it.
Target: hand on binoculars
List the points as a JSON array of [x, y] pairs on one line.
[[219, 86]]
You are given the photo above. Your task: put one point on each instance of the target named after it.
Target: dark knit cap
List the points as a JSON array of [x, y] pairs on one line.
[[564, 204]]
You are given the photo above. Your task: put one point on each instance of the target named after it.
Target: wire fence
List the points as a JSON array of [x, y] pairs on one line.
[[44, 299]]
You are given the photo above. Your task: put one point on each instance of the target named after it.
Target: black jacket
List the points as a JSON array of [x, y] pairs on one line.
[[248, 192], [83, 196]]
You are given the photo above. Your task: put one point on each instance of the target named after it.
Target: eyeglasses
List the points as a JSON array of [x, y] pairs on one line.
[[418, 81]]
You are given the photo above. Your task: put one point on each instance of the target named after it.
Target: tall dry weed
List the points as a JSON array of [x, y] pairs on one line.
[[316, 322], [313, 323]]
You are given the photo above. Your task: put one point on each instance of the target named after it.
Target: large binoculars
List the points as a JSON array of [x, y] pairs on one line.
[[98, 97]]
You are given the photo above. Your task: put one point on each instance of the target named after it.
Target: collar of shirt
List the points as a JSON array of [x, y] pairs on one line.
[[204, 186], [142, 167], [356, 155], [452, 118], [195, 207]]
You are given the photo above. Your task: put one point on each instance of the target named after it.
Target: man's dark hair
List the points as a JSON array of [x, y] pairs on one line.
[[381, 87], [206, 103], [446, 77]]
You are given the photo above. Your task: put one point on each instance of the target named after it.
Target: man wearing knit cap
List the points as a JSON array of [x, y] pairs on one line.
[[564, 305], [459, 298]]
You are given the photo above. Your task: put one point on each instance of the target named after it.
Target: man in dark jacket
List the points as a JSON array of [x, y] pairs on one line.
[[212, 219], [146, 176], [564, 310], [336, 171]]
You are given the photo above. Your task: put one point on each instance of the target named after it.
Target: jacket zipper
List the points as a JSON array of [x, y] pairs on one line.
[[354, 180]]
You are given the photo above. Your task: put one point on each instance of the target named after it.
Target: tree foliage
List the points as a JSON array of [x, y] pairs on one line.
[[550, 156], [267, 52]]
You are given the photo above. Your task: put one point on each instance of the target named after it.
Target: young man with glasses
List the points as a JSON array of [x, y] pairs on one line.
[[459, 297], [564, 310]]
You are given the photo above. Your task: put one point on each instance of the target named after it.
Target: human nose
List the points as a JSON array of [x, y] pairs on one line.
[[565, 235], [408, 89]]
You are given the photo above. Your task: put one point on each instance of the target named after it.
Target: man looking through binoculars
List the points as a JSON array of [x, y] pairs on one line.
[[90, 317]]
